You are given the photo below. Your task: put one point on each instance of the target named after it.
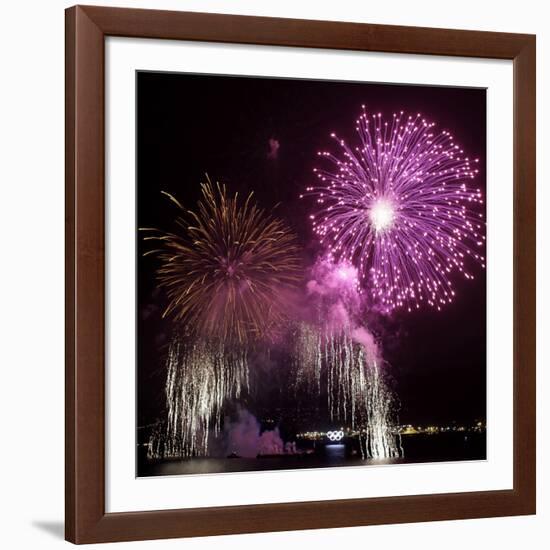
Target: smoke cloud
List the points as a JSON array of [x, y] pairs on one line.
[[245, 438], [334, 288], [362, 336], [273, 152]]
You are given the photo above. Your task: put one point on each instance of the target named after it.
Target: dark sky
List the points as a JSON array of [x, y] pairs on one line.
[[189, 125]]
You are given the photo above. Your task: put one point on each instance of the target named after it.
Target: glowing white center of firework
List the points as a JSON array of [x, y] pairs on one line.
[[335, 435], [346, 272], [382, 215]]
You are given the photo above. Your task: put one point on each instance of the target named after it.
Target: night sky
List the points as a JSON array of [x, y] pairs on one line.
[[190, 125]]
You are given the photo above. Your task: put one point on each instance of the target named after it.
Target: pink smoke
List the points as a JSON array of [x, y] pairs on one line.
[[362, 336], [273, 152], [334, 288], [244, 437], [330, 278]]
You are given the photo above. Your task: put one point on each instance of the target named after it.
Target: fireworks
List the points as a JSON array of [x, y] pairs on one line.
[[229, 272], [200, 378], [397, 206], [396, 219], [357, 389], [335, 350], [307, 360], [225, 274]]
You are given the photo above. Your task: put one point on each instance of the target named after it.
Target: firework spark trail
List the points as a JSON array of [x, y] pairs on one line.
[[306, 359], [201, 377], [356, 388], [397, 206], [229, 269], [381, 441]]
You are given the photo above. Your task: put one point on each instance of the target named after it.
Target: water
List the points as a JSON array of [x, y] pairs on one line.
[[417, 448]]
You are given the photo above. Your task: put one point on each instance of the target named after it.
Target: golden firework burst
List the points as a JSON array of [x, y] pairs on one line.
[[229, 272]]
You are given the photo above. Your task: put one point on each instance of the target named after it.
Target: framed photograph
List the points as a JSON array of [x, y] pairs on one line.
[[300, 274]]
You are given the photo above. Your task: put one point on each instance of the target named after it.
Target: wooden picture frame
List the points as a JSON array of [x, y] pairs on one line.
[[86, 30]]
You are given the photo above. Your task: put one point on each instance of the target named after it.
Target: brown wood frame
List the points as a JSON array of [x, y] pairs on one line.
[[86, 29]]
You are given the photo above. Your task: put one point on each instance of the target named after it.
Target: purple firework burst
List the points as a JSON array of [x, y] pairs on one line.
[[397, 206]]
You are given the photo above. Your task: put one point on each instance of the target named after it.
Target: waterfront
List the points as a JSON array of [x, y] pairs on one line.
[[417, 448]]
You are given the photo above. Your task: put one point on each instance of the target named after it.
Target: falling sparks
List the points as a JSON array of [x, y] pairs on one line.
[[398, 207], [307, 360], [357, 390], [201, 377], [229, 270]]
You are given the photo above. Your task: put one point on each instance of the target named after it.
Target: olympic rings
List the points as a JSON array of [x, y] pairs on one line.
[[336, 435]]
